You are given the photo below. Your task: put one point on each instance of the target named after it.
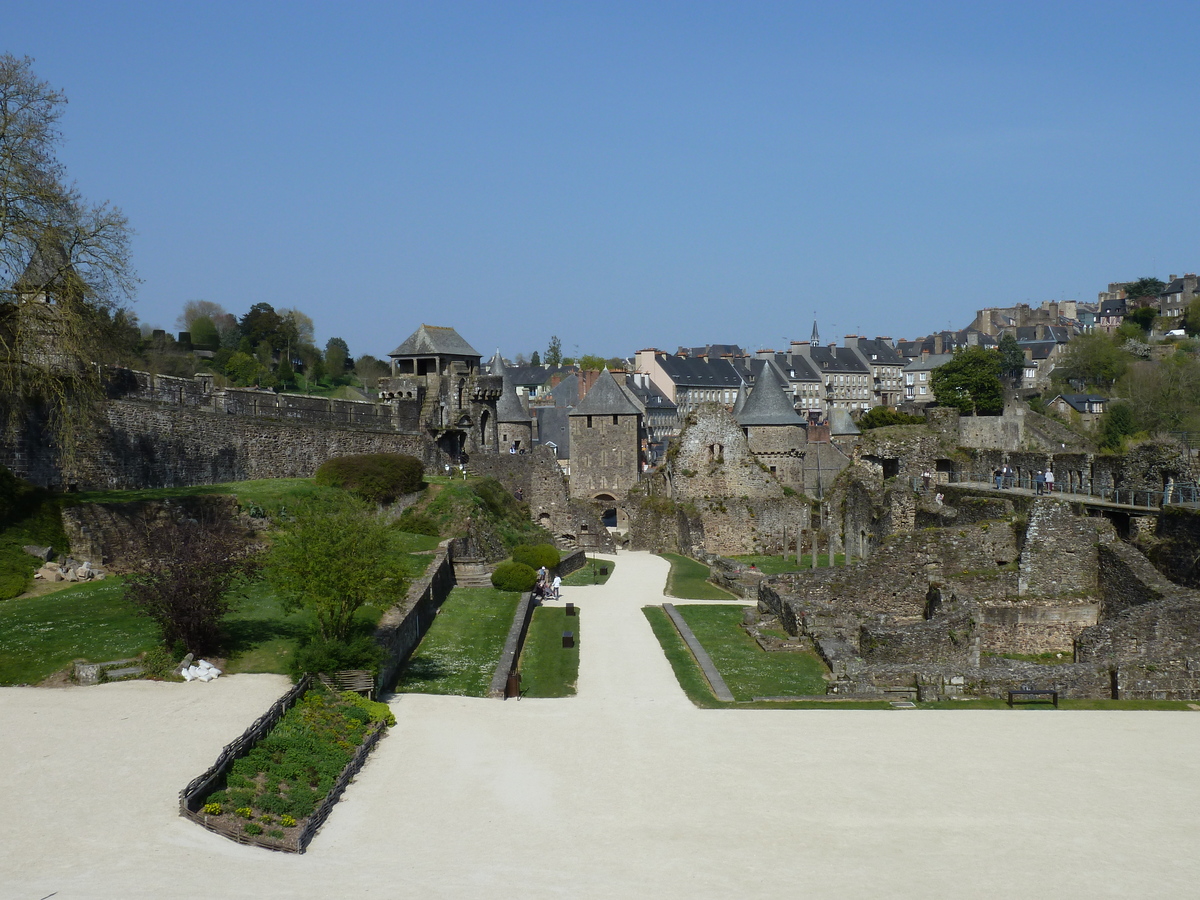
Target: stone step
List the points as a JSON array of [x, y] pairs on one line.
[[126, 672]]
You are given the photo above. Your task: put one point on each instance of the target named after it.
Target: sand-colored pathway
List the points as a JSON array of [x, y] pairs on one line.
[[624, 791]]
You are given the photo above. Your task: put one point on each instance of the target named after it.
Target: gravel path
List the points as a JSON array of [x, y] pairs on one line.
[[626, 790]]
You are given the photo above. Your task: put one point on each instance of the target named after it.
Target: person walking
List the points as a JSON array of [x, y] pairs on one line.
[[557, 585], [1040, 482], [925, 476], [1049, 481], [999, 476]]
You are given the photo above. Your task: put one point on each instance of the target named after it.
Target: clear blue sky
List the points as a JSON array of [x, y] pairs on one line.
[[635, 174]]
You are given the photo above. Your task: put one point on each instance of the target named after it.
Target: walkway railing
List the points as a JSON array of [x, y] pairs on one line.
[[1180, 494]]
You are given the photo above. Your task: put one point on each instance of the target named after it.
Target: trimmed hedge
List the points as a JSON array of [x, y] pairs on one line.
[[413, 522], [537, 555], [514, 576], [376, 477]]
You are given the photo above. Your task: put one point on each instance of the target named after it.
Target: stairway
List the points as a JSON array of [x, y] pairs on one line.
[[472, 573]]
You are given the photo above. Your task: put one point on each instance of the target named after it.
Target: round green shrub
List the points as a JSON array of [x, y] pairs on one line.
[[537, 555], [513, 576], [377, 477], [414, 522], [326, 657]]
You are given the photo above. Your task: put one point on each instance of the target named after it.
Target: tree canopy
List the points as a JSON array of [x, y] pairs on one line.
[[970, 382], [332, 559], [1144, 287], [554, 355], [1012, 357], [1092, 360]]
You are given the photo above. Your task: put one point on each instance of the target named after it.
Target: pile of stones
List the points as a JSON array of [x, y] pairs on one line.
[[69, 569]]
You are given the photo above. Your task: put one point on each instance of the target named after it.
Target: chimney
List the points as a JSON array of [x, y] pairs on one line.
[[764, 354], [937, 343], [850, 340]]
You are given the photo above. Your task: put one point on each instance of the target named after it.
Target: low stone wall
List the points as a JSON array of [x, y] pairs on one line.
[[402, 627], [120, 535], [1033, 627]]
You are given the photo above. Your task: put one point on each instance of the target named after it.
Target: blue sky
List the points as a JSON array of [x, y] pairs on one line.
[[627, 175]]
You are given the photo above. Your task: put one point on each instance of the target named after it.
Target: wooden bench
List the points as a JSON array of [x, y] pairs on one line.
[[360, 681], [1030, 692]]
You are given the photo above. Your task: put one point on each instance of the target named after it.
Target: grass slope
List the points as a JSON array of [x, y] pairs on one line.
[[461, 650], [41, 635], [774, 565], [547, 668], [590, 573], [689, 580], [748, 670]]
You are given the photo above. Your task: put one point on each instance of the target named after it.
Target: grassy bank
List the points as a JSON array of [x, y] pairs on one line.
[[547, 668], [590, 574], [748, 670], [689, 580], [461, 650]]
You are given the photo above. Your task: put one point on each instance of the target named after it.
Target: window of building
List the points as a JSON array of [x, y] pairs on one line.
[[589, 425]]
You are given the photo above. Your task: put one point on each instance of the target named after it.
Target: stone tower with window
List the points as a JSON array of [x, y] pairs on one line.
[[606, 442]]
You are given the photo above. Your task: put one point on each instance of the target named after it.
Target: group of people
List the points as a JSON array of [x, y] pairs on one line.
[[545, 589], [1043, 481]]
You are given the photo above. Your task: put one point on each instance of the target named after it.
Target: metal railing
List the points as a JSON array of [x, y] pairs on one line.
[[1178, 494]]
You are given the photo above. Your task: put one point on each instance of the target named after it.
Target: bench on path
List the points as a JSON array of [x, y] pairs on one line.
[[1031, 692]]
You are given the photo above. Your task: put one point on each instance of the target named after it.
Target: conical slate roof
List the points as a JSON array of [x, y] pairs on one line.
[[740, 401], [840, 422], [509, 407], [605, 399], [435, 340], [767, 403]]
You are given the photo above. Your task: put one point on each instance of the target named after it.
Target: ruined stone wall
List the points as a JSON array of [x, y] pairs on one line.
[[661, 525], [141, 445], [1059, 553], [121, 536], [1176, 547], [540, 481], [947, 638], [714, 461], [972, 562], [998, 432], [1034, 627], [735, 527]]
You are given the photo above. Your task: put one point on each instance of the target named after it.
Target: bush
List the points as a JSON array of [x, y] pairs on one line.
[[513, 576], [376, 477], [537, 555], [883, 416], [413, 522], [321, 656]]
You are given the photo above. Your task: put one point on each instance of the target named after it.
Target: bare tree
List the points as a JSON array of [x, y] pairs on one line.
[[64, 265]]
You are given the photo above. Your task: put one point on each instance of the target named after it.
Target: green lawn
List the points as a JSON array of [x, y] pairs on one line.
[[590, 573], [269, 494], [689, 580], [41, 635], [774, 565], [461, 650], [748, 670], [547, 668]]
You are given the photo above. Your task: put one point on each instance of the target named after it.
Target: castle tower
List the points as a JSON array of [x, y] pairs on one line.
[[606, 434]]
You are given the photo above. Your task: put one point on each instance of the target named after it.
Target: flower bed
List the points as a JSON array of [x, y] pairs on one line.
[[281, 791]]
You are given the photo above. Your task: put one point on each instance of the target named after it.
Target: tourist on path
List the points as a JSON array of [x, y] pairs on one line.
[[1049, 482], [1040, 482]]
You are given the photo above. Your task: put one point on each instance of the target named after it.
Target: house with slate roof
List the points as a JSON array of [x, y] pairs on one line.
[[1088, 407], [441, 372], [1174, 298], [606, 442], [513, 420], [1112, 313], [918, 377], [845, 376], [690, 381]]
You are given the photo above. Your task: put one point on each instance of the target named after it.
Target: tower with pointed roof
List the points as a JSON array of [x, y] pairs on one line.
[[606, 442], [773, 429]]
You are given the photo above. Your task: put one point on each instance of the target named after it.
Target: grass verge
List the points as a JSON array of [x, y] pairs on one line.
[[689, 580], [461, 650], [748, 670], [775, 565], [93, 621], [548, 669], [590, 573]]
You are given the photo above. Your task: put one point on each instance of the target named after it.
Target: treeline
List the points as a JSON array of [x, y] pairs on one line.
[[266, 347]]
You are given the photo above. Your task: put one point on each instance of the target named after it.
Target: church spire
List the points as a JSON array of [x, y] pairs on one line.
[[816, 336]]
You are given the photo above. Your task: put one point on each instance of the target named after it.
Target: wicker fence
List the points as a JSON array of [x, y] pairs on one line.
[[191, 797]]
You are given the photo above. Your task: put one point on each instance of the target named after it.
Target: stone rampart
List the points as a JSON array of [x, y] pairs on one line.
[[403, 626]]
